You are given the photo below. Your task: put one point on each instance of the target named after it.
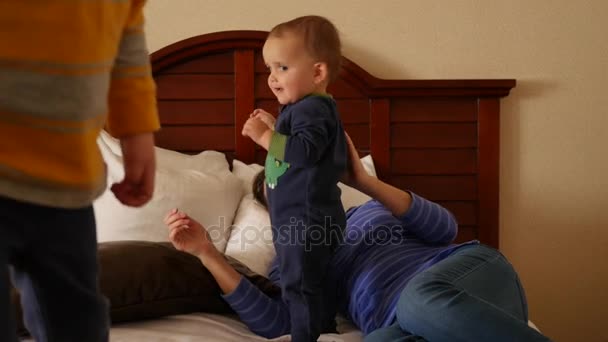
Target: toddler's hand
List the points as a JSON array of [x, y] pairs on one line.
[[266, 117], [258, 131]]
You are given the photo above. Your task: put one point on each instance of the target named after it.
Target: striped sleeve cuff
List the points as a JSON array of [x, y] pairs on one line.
[[238, 297], [430, 221], [414, 211], [262, 315]]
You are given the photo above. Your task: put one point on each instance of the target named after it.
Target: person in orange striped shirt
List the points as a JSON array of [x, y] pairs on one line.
[[67, 69]]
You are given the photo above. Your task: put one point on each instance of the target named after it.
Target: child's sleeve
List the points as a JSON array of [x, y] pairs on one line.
[[265, 316], [311, 133], [132, 94]]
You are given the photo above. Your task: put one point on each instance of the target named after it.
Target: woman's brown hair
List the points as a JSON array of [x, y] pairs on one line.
[[258, 188]]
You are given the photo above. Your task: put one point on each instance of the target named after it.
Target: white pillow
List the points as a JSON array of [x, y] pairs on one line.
[[251, 236], [246, 173], [352, 197], [201, 185], [206, 161], [368, 165]]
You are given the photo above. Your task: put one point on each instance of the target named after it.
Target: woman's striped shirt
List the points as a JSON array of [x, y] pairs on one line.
[[379, 255]]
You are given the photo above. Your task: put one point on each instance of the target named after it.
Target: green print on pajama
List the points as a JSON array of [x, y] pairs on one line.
[[274, 169]]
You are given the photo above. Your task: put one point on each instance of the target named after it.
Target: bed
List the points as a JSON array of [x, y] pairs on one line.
[[439, 138]]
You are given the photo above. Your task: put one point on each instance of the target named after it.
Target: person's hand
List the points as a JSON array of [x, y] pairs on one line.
[[187, 235], [355, 175], [266, 117], [258, 131], [137, 187]]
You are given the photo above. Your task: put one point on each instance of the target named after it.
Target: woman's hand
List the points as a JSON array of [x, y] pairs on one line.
[[355, 175], [395, 199], [189, 236], [266, 117]]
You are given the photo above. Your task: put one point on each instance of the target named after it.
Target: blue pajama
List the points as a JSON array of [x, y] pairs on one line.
[[305, 209]]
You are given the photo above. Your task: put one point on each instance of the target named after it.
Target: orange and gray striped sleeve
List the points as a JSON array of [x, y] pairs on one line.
[[132, 94], [58, 61]]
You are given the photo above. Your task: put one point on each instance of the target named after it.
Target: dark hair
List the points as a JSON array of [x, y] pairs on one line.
[[321, 40], [258, 188]]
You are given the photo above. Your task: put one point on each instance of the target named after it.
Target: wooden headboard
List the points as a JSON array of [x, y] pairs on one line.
[[438, 138]]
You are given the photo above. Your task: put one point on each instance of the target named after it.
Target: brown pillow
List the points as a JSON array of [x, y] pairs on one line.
[[144, 280]]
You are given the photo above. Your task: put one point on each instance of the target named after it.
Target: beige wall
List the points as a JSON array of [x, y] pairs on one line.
[[554, 125]]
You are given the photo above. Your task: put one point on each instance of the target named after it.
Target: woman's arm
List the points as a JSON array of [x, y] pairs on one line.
[[395, 199], [265, 316], [427, 220], [189, 236], [225, 275]]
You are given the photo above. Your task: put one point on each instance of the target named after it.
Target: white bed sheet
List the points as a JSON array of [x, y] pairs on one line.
[[213, 328], [209, 327]]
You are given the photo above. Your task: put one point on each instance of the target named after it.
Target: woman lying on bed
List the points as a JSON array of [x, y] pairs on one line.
[[397, 272]]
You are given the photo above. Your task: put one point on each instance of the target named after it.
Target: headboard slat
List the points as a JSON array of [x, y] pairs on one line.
[[243, 102], [489, 150], [380, 133]]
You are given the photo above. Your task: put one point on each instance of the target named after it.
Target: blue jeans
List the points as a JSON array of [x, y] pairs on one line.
[[52, 255], [472, 295]]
